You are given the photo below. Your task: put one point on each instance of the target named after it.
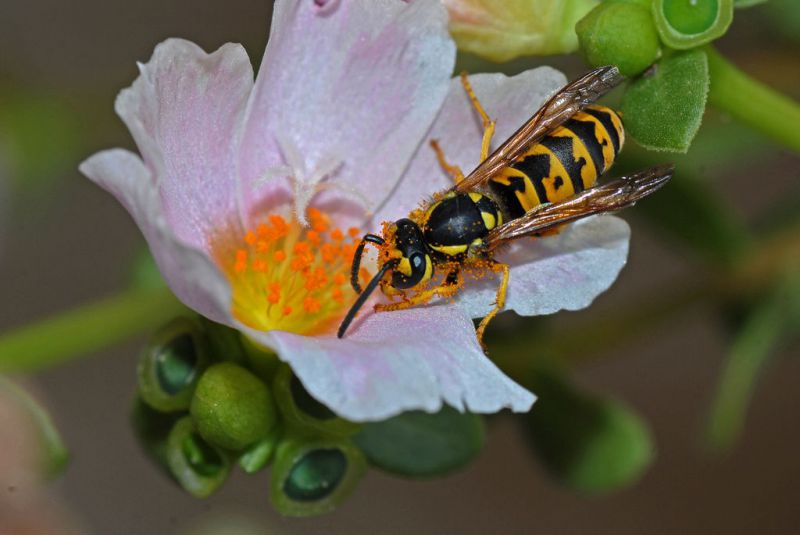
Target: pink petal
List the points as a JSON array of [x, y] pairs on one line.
[[185, 111], [562, 272], [399, 361], [359, 81], [509, 101], [190, 274]]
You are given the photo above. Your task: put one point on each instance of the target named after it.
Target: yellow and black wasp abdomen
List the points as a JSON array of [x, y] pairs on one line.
[[565, 162], [459, 222]]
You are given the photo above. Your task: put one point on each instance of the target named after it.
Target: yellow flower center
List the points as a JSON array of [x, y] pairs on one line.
[[289, 277]]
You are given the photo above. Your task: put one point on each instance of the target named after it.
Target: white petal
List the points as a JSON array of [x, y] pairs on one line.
[[394, 362], [562, 272], [185, 112], [509, 101], [191, 275], [359, 81]]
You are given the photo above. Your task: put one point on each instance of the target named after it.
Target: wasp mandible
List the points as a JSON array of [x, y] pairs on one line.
[[539, 179]]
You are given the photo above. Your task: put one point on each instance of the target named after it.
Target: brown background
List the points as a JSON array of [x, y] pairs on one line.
[[72, 245]]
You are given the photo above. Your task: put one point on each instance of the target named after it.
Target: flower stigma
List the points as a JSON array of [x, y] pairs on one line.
[[287, 276]]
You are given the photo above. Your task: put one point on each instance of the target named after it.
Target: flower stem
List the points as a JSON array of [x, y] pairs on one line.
[[752, 102], [85, 329]]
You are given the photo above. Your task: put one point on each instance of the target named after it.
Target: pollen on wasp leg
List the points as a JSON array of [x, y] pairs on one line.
[[289, 277]]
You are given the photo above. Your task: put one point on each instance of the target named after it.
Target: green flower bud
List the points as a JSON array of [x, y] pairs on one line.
[[621, 34], [171, 365], [199, 467], [685, 24], [231, 407], [313, 476], [304, 413], [501, 30], [260, 454]]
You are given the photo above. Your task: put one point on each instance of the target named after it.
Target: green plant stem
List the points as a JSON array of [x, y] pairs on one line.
[[753, 103], [85, 329]]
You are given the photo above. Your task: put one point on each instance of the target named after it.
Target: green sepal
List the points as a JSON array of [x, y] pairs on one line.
[[663, 110], [621, 34], [420, 444], [198, 466], [684, 24], [259, 455], [232, 408], [53, 453], [260, 360], [302, 412], [224, 342], [590, 444], [313, 475], [761, 328], [151, 429], [172, 363]]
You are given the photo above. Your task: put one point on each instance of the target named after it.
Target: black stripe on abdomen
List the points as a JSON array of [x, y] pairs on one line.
[[562, 148], [585, 130], [506, 195], [608, 124]]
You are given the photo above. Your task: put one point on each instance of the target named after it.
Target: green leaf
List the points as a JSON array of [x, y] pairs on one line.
[[768, 321], [663, 110], [420, 444], [590, 444]]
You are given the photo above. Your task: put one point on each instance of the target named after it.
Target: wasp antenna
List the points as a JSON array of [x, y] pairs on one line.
[[356, 265], [363, 296]]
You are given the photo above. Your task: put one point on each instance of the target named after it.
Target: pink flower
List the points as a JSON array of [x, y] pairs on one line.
[[334, 129]]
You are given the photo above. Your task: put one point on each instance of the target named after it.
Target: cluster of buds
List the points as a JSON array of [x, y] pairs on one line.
[[209, 400]]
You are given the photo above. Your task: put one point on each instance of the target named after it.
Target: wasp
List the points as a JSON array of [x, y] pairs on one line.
[[543, 177]]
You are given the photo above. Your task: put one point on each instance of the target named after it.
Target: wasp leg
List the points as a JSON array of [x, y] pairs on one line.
[[500, 300], [453, 170], [448, 288], [488, 124]]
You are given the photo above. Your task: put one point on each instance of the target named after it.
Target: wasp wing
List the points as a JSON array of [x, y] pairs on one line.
[[610, 197], [571, 99]]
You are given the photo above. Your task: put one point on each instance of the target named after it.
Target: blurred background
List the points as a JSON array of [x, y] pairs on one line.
[[64, 242]]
